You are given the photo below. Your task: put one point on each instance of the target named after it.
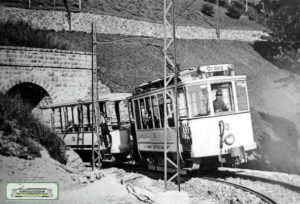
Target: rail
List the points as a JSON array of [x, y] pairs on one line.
[[260, 195]]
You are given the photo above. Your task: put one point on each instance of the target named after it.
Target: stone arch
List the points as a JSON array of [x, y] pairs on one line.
[[30, 79]]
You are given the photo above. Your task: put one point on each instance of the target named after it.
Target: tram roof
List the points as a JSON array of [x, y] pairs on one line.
[[210, 71], [111, 97]]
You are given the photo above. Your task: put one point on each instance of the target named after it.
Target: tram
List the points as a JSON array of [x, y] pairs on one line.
[[73, 122], [31, 192], [214, 117]]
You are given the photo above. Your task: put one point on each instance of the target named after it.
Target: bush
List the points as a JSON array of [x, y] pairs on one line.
[[32, 147], [6, 127], [12, 109], [235, 10], [252, 15], [208, 10], [20, 33]]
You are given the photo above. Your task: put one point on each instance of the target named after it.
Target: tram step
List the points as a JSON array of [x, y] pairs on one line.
[[169, 170]]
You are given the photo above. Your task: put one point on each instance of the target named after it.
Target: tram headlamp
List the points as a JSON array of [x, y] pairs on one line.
[[229, 139]]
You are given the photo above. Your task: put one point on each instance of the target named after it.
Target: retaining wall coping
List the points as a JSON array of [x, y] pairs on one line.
[[44, 50]]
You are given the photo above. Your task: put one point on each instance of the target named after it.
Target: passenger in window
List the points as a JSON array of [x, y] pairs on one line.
[[148, 119], [219, 104]]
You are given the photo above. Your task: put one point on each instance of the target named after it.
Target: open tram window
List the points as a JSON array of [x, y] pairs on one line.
[[198, 101], [182, 103], [222, 97], [155, 109], [57, 120], [169, 104], [148, 114], [170, 109], [143, 113], [137, 114], [125, 115], [241, 94], [161, 108]]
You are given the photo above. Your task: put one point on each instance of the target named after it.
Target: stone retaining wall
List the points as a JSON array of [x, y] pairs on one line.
[[57, 20], [65, 75]]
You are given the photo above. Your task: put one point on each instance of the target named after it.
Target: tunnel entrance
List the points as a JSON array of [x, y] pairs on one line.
[[31, 94]]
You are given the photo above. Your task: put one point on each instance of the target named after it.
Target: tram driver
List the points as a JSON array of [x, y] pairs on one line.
[[219, 105]]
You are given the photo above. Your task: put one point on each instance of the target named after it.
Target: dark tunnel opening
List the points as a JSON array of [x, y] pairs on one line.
[[31, 94]]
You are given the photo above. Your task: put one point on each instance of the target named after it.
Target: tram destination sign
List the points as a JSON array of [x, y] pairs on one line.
[[216, 68]]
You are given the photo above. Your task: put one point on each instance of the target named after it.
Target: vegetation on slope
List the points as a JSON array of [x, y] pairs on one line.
[[187, 12], [19, 33], [22, 133], [283, 46]]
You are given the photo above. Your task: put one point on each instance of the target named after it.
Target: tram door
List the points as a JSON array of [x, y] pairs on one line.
[[117, 139]]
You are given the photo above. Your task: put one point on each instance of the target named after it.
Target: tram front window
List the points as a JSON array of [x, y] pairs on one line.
[[198, 101], [241, 94], [222, 97]]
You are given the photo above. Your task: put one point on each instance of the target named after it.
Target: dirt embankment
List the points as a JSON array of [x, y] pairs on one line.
[[75, 186]]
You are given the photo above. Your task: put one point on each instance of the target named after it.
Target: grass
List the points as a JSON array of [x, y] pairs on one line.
[[187, 12], [145, 57], [19, 33], [15, 115]]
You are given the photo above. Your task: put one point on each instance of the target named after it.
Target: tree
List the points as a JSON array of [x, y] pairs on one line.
[[282, 18]]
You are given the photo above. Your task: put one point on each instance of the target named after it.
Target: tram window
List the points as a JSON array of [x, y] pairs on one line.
[[57, 119], [198, 100], [137, 114], [148, 114], [70, 115], [241, 94], [143, 113], [76, 115], [85, 116], [161, 108], [155, 109], [169, 110], [124, 107], [130, 108], [182, 103], [222, 97]]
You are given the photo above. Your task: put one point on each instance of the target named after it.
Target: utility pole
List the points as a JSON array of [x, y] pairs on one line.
[[96, 152], [169, 94]]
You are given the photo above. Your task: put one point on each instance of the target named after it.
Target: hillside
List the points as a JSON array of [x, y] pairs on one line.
[[187, 12]]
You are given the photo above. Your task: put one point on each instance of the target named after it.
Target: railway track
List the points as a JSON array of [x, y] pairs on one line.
[[196, 187], [263, 197]]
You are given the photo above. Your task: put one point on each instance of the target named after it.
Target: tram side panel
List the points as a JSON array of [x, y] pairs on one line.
[[153, 140], [206, 134], [120, 140]]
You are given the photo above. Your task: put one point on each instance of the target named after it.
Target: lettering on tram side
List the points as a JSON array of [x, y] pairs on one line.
[[155, 147]]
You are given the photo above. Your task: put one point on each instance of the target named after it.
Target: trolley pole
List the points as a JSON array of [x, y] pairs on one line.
[[170, 76], [96, 153], [218, 23]]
